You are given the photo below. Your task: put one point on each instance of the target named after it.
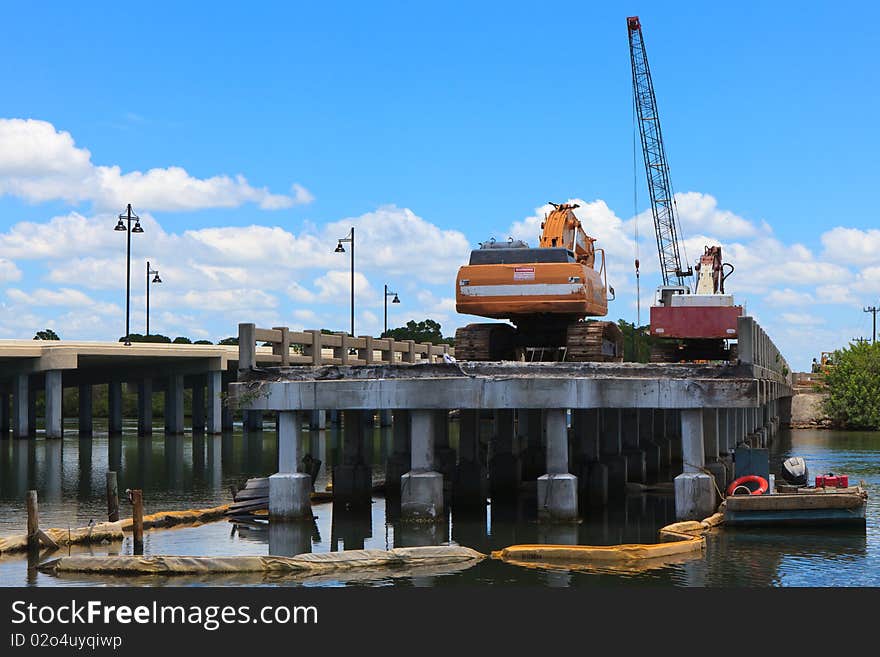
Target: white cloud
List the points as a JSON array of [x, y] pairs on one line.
[[9, 271], [852, 245], [700, 212], [788, 297], [799, 319], [40, 163]]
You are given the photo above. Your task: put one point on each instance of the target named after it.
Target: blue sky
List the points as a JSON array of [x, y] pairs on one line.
[[429, 128]]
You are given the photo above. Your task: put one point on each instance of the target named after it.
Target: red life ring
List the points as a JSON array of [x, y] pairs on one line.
[[763, 485]]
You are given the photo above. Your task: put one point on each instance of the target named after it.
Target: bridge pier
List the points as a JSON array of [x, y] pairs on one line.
[[505, 469], [646, 441], [20, 406], [198, 405], [85, 410], [470, 485], [54, 392], [145, 407], [317, 420], [252, 420], [422, 487], [636, 466], [353, 478], [591, 473], [712, 447], [289, 490], [398, 463], [694, 491], [174, 405], [215, 402], [557, 490], [530, 424], [4, 416], [114, 408], [444, 455], [611, 450]]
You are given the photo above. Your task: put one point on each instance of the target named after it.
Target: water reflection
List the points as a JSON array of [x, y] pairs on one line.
[[187, 471]]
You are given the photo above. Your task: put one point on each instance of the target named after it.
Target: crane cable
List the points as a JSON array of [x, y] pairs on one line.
[[636, 213]]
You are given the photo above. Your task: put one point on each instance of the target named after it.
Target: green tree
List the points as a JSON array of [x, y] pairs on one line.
[[152, 337], [425, 331], [203, 342], [229, 341], [46, 334], [853, 384], [637, 342], [181, 340]]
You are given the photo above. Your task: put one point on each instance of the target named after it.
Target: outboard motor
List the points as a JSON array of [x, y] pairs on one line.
[[794, 471]]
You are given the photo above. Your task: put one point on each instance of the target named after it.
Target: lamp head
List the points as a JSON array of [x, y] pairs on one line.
[[120, 225], [395, 299], [339, 248], [157, 279], [137, 227]]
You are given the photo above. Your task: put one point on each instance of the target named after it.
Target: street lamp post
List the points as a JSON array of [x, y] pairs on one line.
[[128, 216], [396, 299], [341, 249], [155, 280]]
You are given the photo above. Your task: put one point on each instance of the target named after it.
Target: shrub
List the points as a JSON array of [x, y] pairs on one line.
[[853, 384]]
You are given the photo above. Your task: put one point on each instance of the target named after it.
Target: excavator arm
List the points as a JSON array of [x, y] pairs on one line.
[[562, 228]]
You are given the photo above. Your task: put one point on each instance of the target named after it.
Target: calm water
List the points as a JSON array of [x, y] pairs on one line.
[[188, 472]]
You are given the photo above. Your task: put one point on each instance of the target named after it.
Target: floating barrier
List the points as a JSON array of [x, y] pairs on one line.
[[397, 560], [680, 541], [171, 518], [99, 533]]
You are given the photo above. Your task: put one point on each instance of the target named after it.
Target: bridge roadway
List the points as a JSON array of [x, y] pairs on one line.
[[583, 431], [30, 366]]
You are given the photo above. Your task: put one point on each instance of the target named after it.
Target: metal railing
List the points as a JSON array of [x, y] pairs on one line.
[[313, 347]]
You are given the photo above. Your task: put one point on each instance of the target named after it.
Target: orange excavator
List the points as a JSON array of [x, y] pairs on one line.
[[545, 292]]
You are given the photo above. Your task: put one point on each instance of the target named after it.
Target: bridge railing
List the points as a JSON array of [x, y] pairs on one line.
[[313, 347], [755, 347]]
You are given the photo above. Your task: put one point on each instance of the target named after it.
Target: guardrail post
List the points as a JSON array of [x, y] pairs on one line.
[[315, 349], [247, 346], [387, 355], [282, 348], [411, 354], [366, 354]]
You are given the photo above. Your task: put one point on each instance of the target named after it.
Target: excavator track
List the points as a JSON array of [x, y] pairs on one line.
[[484, 342], [690, 351], [594, 341]]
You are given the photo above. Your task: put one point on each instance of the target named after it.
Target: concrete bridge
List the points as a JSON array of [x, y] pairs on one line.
[[582, 431]]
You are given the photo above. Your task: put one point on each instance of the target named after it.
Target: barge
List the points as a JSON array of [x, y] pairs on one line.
[[799, 505]]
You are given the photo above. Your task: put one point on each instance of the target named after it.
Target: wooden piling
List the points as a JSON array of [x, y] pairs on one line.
[[112, 497], [33, 520], [137, 517]]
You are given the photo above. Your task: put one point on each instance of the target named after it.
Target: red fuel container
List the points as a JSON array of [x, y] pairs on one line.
[[832, 481]]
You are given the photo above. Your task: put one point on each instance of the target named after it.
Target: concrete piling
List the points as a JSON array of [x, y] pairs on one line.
[[694, 489], [174, 405], [505, 469], [558, 489], [421, 488], [592, 474], [531, 426], [85, 410], [114, 407], [20, 403], [352, 477], [198, 405], [398, 462], [215, 402], [636, 465], [145, 407], [289, 490], [611, 451], [470, 486], [444, 455], [54, 392]]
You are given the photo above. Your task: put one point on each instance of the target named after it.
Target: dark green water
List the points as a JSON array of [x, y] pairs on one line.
[[190, 472]]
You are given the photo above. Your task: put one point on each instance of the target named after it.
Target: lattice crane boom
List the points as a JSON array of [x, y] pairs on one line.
[[654, 155]]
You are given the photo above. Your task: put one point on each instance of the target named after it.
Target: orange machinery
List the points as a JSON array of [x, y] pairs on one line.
[[545, 292]]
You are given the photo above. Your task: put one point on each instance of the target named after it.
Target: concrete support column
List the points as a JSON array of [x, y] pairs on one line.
[[114, 408], [4, 416], [636, 466], [663, 442], [712, 446], [386, 417], [505, 469], [32, 408], [289, 490], [531, 426], [54, 391], [421, 488], [145, 407], [558, 489], [694, 490], [353, 477], [592, 474], [444, 455], [198, 405], [215, 402], [227, 419], [470, 488], [646, 441], [672, 428], [611, 450], [317, 420], [174, 405], [398, 463], [253, 420], [85, 410]]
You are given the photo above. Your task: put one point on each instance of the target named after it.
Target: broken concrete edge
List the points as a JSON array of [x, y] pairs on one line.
[[309, 563]]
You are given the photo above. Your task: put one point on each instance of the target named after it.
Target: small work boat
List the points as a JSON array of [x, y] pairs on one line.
[[753, 501]]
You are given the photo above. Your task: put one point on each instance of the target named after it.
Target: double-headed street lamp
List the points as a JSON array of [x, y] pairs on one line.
[[341, 249], [128, 216], [396, 299], [155, 280]]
